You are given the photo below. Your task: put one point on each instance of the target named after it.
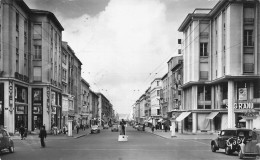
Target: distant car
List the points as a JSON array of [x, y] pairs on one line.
[[94, 129], [139, 127], [5, 141], [114, 128], [251, 146], [231, 140], [106, 126]]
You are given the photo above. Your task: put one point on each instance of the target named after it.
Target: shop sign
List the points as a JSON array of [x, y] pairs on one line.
[[242, 93], [19, 109], [48, 99], [11, 95], [242, 105]]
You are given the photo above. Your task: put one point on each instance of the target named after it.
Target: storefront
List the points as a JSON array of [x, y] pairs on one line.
[[1, 104], [21, 106], [56, 109], [37, 108]]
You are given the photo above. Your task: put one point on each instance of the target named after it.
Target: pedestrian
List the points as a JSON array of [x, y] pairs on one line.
[[25, 133], [42, 135], [77, 127], [21, 131], [84, 127], [152, 128], [122, 124], [143, 127], [165, 127]]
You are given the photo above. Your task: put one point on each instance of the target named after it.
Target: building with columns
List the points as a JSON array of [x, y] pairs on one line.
[[221, 66]]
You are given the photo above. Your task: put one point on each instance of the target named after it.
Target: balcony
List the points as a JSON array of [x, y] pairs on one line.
[[204, 34], [248, 67], [248, 20], [203, 75], [37, 36]]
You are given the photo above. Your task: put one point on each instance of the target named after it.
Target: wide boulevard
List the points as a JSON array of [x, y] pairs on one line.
[[104, 146]]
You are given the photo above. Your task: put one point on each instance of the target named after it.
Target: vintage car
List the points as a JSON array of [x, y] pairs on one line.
[[5, 141], [114, 128], [95, 129], [106, 126], [250, 147], [230, 139]]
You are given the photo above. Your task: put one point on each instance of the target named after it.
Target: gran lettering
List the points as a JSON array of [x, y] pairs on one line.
[[243, 105]]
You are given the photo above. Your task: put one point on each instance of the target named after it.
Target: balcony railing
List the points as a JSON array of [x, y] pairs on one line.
[[204, 75], [248, 67], [248, 20], [204, 34]]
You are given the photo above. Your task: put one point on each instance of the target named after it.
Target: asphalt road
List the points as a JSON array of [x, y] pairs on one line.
[[104, 146]]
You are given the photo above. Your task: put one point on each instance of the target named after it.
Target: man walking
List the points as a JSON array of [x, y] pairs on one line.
[[21, 131], [42, 135]]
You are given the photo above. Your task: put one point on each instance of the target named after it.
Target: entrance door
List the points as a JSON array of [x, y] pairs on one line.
[[37, 122], [21, 119]]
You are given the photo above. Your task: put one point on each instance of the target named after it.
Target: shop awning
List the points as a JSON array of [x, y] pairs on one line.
[[212, 115], [182, 116], [150, 121]]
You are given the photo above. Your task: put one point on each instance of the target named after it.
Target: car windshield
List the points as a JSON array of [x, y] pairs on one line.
[[228, 133]]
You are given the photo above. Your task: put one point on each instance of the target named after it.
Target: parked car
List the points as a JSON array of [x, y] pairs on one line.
[[5, 141], [105, 126], [95, 129], [231, 139], [251, 146], [139, 127], [114, 128]]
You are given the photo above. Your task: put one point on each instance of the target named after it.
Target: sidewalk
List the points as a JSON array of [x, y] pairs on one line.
[[59, 136], [167, 135]]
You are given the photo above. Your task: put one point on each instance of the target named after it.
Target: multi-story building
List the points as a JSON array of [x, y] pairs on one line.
[[68, 95], [147, 109], [164, 96], [86, 110], [76, 86], [104, 109], [156, 86], [93, 99], [142, 101], [221, 67], [31, 87]]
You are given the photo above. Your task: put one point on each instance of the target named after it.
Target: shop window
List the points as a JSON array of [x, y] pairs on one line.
[[207, 106], [200, 107], [224, 90], [200, 93], [207, 93], [257, 89]]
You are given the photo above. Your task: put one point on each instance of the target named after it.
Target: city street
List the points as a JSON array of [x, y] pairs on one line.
[[141, 146]]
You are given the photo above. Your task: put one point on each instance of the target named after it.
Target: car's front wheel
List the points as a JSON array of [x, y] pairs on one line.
[[227, 150], [213, 147], [11, 149]]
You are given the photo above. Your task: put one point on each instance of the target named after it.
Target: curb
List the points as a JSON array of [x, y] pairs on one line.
[[81, 136], [177, 138]]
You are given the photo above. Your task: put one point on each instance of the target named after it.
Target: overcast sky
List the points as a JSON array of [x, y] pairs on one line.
[[123, 44]]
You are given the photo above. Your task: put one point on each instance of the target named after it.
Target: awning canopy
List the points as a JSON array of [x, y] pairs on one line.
[[182, 116], [212, 115], [150, 121]]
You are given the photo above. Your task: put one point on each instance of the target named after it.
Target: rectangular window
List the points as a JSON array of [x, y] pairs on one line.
[[158, 92], [37, 73], [157, 83], [248, 38], [37, 31], [38, 52], [17, 21], [203, 49]]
